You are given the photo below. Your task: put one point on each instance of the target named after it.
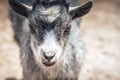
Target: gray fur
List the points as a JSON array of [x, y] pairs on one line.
[[30, 33]]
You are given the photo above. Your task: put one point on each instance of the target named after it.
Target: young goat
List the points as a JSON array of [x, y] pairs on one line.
[[51, 48]]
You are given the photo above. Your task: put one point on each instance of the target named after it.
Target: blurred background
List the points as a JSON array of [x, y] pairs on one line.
[[101, 34]]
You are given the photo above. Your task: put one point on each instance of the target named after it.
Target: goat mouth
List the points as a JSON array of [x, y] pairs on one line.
[[48, 64]]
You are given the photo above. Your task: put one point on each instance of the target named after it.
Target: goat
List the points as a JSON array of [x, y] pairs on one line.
[[50, 41]]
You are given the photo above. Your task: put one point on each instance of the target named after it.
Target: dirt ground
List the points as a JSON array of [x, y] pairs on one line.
[[101, 33]]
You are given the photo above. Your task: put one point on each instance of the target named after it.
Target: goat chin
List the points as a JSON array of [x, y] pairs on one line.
[[51, 72]]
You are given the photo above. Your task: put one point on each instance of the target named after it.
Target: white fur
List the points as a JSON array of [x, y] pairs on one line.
[[51, 45], [51, 13]]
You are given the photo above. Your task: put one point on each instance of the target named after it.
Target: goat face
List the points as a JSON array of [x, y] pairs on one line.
[[49, 27]]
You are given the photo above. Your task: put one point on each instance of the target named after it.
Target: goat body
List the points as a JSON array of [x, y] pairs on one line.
[[36, 42]]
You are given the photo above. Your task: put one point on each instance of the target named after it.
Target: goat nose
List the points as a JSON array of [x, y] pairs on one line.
[[48, 55]]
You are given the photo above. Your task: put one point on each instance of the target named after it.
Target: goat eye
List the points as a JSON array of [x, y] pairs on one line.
[[32, 30], [67, 30]]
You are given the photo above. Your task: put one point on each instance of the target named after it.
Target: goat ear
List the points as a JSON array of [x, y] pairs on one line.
[[20, 8], [81, 10]]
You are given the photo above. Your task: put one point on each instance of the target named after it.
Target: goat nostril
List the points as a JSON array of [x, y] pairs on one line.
[[48, 56]]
